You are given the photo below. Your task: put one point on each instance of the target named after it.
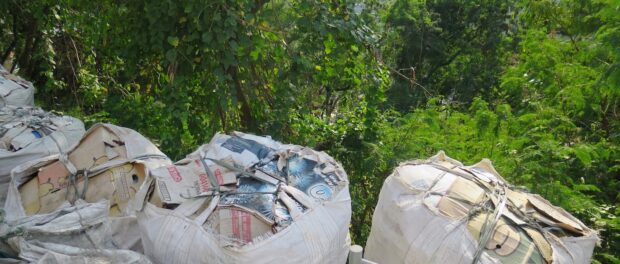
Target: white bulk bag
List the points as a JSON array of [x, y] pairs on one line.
[[104, 151], [29, 133], [439, 211], [71, 234], [14, 90], [317, 232]]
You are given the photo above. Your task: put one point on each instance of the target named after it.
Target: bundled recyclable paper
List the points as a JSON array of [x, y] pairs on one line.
[[189, 178], [109, 163], [29, 133], [243, 198], [439, 211], [238, 224], [51, 187]]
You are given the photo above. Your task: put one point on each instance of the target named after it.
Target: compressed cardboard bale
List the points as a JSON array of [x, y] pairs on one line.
[[439, 211], [29, 133], [14, 90], [103, 171], [109, 163], [286, 204], [49, 189]]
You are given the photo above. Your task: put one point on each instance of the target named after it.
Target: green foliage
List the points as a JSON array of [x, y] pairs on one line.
[[451, 48], [536, 150], [534, 85]]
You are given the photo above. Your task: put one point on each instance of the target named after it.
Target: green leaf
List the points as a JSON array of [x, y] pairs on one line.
[[207, 37], [586, 187], [171, 55], [254, 54], [583, 155], [329, 44], [174, 41]]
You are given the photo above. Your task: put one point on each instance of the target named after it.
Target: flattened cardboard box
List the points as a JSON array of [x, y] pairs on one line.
[[239, 224], [98, 147], [47, 191], [188, 178]]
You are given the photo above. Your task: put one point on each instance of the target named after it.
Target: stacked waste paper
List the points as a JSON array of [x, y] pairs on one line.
[[83, 201], [248, 199], [29, 133], [439, 211], [14, 90]]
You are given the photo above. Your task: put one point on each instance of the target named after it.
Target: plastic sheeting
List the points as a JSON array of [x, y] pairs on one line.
[[29, 133], [301, 194], [15, 90], [439, 211]]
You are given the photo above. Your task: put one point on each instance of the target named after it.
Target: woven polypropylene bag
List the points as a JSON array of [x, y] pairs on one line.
[[72, 234], [63, 133], [425, 214], [14, 90], [137, 150], [318, 233]]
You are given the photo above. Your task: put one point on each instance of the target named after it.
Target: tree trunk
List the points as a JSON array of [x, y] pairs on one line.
[[246, 112]]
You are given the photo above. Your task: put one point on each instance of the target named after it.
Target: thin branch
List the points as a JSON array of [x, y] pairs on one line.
[[395, 71]]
